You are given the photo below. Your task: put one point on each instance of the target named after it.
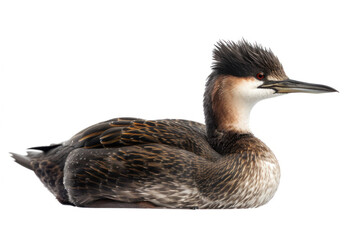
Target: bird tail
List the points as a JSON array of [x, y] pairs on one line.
[[48, 164], [24, 161]]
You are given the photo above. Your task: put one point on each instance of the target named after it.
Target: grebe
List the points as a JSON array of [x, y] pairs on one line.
[[131, 162]]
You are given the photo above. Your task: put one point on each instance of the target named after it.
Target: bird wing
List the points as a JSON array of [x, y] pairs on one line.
[[120, 132], [158, 173]]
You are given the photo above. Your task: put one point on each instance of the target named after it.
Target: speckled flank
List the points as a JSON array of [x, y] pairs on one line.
[[152, 172]]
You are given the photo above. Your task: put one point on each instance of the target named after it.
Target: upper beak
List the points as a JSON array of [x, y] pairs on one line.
[[291, 86]]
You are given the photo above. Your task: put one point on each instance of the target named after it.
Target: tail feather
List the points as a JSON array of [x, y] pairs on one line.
[[45, 149], [24, 161]]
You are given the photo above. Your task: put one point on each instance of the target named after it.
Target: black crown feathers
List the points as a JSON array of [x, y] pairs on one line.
[[244, 59]]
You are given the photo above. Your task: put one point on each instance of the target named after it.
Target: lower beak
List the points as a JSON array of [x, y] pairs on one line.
[[291, 86]]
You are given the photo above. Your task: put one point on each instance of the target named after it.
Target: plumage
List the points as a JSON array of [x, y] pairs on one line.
[[172, 163]]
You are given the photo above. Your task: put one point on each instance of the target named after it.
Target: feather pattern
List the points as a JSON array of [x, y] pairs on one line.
[[169, 163]]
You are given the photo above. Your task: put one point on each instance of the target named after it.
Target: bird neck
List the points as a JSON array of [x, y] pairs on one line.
[[225, 110]]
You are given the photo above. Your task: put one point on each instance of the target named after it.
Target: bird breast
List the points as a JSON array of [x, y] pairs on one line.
[[261, 184], [255, 185]]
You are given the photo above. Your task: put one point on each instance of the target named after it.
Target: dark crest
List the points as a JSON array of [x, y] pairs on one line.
[[243, 59]]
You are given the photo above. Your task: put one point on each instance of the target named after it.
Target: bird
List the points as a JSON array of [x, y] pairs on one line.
[[175, 163]]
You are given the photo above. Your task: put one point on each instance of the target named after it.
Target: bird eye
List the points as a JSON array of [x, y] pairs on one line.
[[260, 76]]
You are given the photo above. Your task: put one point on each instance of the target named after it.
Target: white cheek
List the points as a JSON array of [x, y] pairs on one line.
[[244, 96], [248, 91]]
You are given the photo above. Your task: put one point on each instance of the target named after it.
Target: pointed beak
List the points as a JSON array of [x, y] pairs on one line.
[[292, 86]]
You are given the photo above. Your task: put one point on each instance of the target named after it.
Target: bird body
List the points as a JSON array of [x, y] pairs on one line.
[[172, 163]]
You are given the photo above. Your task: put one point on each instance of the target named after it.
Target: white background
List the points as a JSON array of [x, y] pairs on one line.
[[65, 65]]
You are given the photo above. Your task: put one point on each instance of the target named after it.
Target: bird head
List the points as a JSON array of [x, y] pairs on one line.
[[258, 65], [244, 74]]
